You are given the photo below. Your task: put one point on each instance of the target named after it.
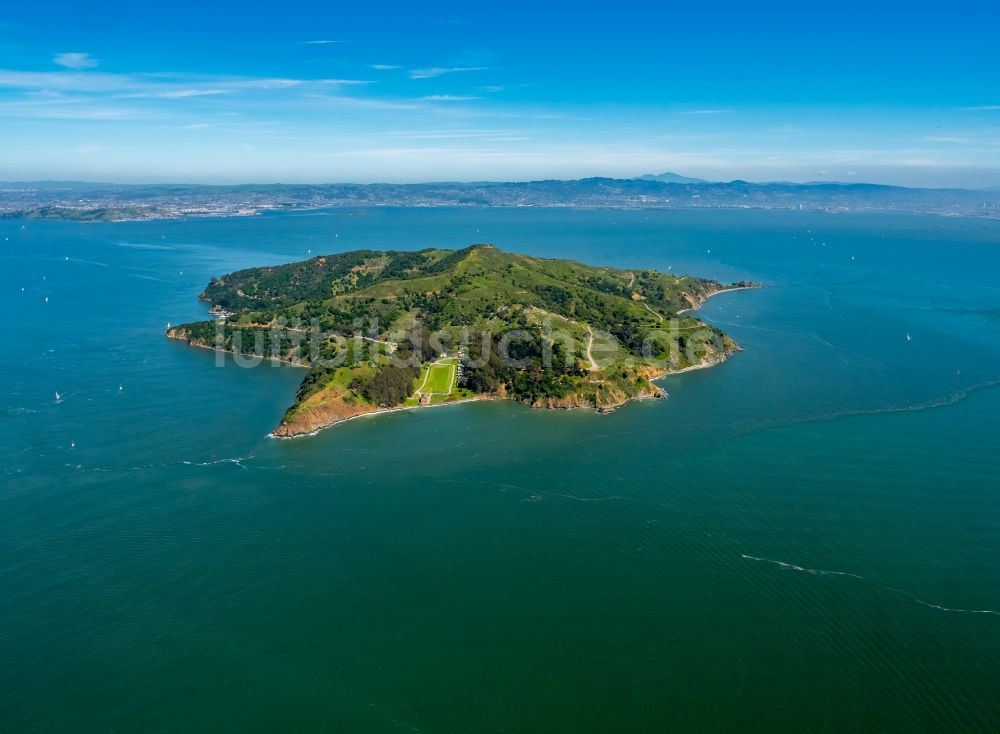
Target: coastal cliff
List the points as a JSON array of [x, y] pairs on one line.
[[307, 419]]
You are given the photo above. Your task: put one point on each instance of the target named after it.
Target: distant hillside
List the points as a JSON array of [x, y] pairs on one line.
[[670, 177], [55, 200], [350, 316]]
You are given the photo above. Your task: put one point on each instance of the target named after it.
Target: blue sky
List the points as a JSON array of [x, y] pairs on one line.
[[232, 92]]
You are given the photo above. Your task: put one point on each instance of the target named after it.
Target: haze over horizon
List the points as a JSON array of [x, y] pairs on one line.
[[234, 94], [470, 182]]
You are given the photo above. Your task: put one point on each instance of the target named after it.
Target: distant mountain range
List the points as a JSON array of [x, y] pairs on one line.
[[117, 202], [670, 177]]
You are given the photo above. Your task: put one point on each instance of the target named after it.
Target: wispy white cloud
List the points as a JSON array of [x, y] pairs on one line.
[[69, 108], [946, 139], [75, 60], [162, 85], [96, 95], [385, 67], [366, 103], [90, 149], [173, 94], [449, 98], [784, 130], [981, 108], [702, 112], [61, 81], [321, 42], [441, 71], [239, 84], [985, 142], [458, 134]]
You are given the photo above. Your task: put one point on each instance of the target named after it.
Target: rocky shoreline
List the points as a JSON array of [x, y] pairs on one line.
[[311, 421]]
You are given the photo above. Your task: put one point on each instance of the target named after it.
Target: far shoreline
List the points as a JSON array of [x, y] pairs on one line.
[[25, 217]]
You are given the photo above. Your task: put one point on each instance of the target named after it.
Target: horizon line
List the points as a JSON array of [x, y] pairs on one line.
[[705, 182]]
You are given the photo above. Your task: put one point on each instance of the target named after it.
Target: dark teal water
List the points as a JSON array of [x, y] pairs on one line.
[[804, 539]]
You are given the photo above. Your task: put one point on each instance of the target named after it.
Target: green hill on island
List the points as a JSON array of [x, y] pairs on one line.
[[381, 330]]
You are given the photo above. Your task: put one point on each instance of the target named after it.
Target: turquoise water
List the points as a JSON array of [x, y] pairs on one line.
[[804, 539]]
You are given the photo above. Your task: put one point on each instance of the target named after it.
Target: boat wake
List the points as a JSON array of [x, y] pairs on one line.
[[793, 567], [238, 461], [946, 401], [537, 495], [913, 597]]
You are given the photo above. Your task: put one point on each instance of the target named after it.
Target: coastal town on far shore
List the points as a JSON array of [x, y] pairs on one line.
[[78, 201]]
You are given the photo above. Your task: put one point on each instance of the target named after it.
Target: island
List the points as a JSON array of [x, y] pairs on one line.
[[392, 330]]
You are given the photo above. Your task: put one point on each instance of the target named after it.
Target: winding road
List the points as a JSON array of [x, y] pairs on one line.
[[590, 343]]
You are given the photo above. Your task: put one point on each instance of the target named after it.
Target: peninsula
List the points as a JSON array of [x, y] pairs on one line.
[[388, 330]]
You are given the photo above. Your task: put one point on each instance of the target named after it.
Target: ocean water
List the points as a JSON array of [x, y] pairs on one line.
[[806, 538]]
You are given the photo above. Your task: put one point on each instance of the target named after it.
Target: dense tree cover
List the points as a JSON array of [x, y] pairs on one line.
[[201, 332], [555, 295], [405, 264], [315, 380], [530, 366], [313, 280], [424, 343], [282, 285], [389, 387], [244, 340], [344, 292]]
